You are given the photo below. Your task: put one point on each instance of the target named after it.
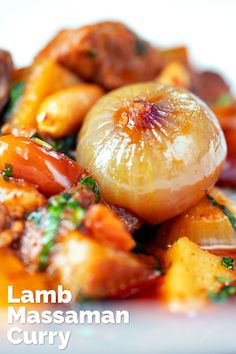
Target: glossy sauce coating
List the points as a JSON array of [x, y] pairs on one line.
[[49, 170], [155, 164]]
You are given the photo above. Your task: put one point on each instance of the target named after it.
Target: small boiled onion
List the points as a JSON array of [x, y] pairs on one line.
[[154, 149]]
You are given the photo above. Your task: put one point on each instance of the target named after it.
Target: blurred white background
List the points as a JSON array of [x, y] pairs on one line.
[[207, 27]]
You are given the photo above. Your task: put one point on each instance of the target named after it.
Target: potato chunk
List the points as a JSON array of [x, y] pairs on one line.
[[192, 273], [175, 74], [13, 273], [93, 270], [63, 112], [45, 78], [19, 196]]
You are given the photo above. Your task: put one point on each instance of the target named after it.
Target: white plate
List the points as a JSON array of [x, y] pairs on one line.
[[152, 330]]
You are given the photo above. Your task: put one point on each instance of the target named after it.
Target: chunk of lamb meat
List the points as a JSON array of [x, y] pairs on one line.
[[6, 66], [107, 53], [209, 86]]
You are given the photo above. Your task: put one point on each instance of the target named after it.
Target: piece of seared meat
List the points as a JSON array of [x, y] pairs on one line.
[[209, 86], [6, 66], [84, 245], [107, 53]]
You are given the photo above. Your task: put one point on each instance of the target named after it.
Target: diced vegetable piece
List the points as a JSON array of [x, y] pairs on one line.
[[175, 74], [49, 170], [62, 113], [226, 113], [106, 227], [192, 273], [93, 270], [45, 78], [19, 196], [179, 54], [13, 273]]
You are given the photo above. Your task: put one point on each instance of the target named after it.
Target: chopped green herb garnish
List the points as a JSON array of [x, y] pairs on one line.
[[42, 143], [222, 296], [8, 171], [51, 225], [225, 210], [228, 262], [36, 217], [51, 222], [36, 135], [223, 280], [141, 46], [91, 54], [91, 184], [224, 100], [15, 94], [66, 145]]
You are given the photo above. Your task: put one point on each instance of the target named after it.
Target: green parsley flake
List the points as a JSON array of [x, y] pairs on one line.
[[51, 222], [222, 296], [90, 183], [8, 171], [42, 143], [225, 210], [65, 145], [15, 94], [223, 280], [228, 262], [224, 100]]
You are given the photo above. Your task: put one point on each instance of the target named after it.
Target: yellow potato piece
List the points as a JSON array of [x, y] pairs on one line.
[[45, 78], [19, 196], [88, 268], [177, 54], [63, 112], [175, 74], [13, 273], [192, 273]]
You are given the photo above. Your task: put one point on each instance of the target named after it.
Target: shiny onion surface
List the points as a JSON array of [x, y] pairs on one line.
[[49, 170], [154, 149]]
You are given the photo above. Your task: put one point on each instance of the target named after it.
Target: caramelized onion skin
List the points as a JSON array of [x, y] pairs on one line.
[[49, 170], [154, 149]]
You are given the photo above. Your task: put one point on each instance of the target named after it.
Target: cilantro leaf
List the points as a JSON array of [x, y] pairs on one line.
[[50, 222], [225, 210], [90, 183], [228, 262], [222, 296], [224, 100], [8, 171], [15, 94], [65, 145]]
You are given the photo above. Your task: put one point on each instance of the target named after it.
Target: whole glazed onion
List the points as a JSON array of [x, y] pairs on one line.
[[154, 149]]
